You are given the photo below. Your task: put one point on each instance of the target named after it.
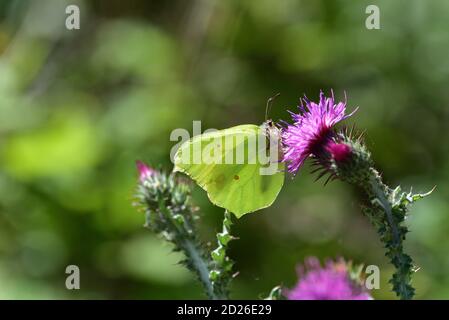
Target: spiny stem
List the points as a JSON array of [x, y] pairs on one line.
[[386, 208], [401, 261], [195, 258], [165, 200], [221, 273], [201, 268]]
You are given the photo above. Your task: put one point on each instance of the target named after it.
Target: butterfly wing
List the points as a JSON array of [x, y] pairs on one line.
[[231, 179]]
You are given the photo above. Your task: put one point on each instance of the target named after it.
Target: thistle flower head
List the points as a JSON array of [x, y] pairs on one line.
[[330, 282], [144, 170], [311, 130]]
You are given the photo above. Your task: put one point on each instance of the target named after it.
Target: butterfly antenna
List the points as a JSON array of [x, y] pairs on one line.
[[269, 104]]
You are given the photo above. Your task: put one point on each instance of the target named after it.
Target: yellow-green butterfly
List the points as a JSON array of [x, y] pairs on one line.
[[238, 167]]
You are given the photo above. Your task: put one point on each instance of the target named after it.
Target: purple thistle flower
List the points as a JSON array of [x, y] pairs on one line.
[[331, 282], [144, 170], [311, 130]]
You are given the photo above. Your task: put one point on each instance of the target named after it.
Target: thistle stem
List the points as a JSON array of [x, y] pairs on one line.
[[201, 268], [221, 273], [165, 200], [196, 259], [377, 190], [393, 241], [386, 208]]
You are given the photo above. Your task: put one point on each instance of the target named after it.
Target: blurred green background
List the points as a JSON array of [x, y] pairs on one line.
[[77, 108]]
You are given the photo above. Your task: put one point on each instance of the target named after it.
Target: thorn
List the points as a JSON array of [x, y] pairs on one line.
[[361, 135], [330, 178], [315, 170], [320, 175], [353, 129]]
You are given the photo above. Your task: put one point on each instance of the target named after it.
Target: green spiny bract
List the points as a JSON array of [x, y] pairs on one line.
[[166, 201]]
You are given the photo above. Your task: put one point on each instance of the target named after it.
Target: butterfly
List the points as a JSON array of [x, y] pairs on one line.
[[240, 167]]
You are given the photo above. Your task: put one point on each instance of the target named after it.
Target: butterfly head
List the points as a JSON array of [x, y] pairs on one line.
[[271, 130], [273, 138]]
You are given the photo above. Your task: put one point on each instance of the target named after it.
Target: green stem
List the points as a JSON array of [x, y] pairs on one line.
[[201, 268], [385, 204], [386, 208], [169, 213], [392, 234], [196, 259], [221, 273]]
